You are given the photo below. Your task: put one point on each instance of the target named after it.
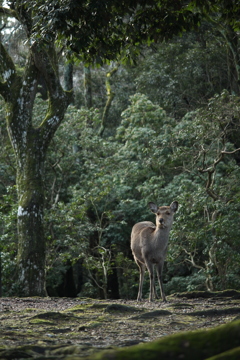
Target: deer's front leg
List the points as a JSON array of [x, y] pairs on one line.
[[142, 269]]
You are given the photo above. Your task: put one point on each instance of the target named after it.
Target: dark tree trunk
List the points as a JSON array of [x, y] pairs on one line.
[[112, 285], [67, 288], [30, 146], [31, 240]]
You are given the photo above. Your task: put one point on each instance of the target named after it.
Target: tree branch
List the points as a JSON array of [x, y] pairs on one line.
[[9, 12], [22, 95], [7, 72], [211, 170], [230, 152], [46, 61], [191, 260], [110, 97]]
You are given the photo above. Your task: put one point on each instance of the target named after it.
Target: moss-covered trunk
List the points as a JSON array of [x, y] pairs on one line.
[[31, 239], [30, 143]]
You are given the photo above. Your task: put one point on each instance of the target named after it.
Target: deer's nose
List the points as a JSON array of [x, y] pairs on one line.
[[161, 221]]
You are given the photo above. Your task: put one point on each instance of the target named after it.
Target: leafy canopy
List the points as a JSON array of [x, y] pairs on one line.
[[99, 30]]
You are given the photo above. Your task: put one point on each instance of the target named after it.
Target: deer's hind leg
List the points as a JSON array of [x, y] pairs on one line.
[[159, 268], [150, 268], [154, 286]]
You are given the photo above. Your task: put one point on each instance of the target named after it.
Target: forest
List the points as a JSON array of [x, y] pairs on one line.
[[86, 145]]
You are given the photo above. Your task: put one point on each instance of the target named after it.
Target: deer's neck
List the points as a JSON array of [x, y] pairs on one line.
[[162, 232]]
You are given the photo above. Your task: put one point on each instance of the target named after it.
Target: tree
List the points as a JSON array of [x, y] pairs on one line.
[[199, 72], [30, 144], [223, 16]]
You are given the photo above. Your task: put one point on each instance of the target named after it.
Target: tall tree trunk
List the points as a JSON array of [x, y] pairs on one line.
[[30, 146], [31, 239]]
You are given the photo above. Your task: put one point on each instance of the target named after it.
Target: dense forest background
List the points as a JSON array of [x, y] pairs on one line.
[[165, 127]]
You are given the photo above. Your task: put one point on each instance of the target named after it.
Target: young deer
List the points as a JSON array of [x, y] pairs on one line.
[[149, 245]]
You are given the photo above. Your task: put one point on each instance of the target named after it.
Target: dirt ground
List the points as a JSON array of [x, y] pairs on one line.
[[42, 328]]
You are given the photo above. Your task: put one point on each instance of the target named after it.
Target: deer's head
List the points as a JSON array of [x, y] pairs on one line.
[[164, 214]]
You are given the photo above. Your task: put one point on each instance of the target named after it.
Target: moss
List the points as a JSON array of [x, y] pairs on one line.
[[182, 306], [41, 321], [68, 350], [120, 308], [152, 314], [62, 331], [27, 310], [90, 325], [196, 345], [215, 312], [14, 354], [207, 294], [103, 318], [79, 308], [233, 354], [57, 316], [99, 306], [95, 330]]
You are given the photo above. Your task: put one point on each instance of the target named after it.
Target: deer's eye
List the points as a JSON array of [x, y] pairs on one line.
[[168, 212]]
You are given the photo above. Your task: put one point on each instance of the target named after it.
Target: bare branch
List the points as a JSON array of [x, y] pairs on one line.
[[8, 12], [211, 170], [191, 260], [230, 152], [46, 62]]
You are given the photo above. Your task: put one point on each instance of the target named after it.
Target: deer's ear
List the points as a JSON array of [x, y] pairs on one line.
[[174, 206], [153, 207]]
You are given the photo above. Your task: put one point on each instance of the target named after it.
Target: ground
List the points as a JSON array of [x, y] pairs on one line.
[[53, 328]]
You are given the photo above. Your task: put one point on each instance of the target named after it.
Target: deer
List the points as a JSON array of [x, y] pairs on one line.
[[149, 246]]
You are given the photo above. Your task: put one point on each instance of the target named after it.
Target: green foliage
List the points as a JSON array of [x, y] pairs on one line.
[[183, 74], [101, 188], [8, 210], [99, 32], [7, 162], [8, 240], [97, 188], [207, 231], [195, 281]]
